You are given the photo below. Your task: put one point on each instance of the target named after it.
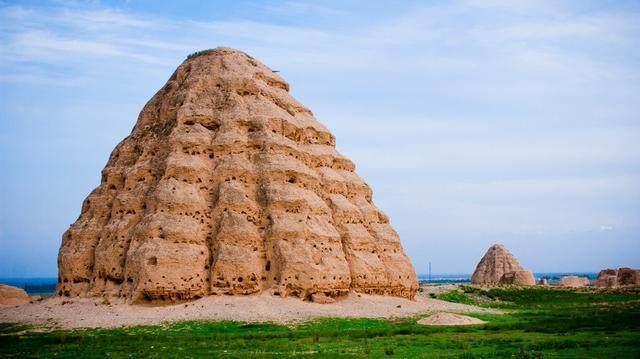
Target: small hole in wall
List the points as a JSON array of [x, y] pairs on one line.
[[268, 266], [189, 123], [152, 261], [212, 126]]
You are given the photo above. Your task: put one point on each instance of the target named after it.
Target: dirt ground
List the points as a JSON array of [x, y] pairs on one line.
[[93, 313]]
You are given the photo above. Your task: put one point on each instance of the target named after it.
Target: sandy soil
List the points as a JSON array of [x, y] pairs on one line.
[[92, 313], [449, 319]]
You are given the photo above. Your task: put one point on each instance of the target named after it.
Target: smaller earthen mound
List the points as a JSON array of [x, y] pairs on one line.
[[519, 277], [10, 296], [443, 318], [615, 278], [573, 281], [500, 267]]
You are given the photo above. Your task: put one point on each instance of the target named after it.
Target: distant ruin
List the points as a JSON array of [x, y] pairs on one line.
[[499, 267], [616, 278]]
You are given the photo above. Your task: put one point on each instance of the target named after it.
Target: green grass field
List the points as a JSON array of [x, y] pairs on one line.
[[539, 323]]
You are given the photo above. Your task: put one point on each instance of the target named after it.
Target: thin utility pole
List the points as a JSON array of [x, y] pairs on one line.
[[429, 271]]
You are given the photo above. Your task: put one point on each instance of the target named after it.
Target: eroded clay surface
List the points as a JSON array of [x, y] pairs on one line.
[[228, 185]]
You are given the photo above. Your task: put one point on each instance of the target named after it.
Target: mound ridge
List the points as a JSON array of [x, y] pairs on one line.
[[228, 185]]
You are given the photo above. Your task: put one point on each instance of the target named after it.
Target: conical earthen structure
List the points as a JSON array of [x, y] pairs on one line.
[[499, 266], [228, 185]]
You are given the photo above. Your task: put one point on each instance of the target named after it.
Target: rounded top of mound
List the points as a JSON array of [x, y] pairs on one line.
[[498, 247], [228, 54], [498, 250], [232, 66], [220, 50]]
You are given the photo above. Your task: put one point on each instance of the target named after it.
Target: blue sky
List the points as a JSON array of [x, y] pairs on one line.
[[474, 122]]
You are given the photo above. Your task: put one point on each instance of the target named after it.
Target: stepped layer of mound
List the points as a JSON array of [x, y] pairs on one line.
[[499, 266], [228, 185]]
